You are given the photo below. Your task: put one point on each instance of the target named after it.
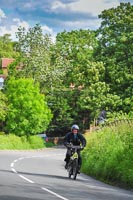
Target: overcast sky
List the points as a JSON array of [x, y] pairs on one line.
[[53, 15]]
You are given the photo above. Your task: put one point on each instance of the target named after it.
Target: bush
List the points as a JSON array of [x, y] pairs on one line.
[[36, 142], [14, 142], [49, 144]]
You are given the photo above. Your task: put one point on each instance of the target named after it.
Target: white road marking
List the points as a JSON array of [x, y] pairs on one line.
[[12, 164], [57, 195], [21, 158], [26, 179], [14, 170]]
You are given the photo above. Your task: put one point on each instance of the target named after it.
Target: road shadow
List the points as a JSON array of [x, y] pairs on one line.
[[52, 176], [36, 174]]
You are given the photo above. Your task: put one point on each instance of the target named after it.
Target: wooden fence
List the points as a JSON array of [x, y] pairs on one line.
[[110, 124]]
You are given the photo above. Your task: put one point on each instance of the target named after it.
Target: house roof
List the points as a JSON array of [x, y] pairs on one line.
[[6, 62]]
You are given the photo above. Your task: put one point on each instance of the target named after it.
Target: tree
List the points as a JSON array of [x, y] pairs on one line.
[[115, 50], [90, 93], [28, 113], [37, 55]]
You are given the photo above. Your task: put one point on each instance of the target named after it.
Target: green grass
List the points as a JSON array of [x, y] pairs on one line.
[[109, 155], [13, 142]]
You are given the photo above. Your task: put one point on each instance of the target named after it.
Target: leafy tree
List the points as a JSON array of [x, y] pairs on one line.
[[115, 50], [37, 56], [28, 113]]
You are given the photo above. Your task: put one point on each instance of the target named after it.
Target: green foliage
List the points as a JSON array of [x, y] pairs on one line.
[[115, 50], [7, 47], [109, 154], [117, 117], [3, 106], [59, 103], [28, 113], [129, 104], [14, 142], [97, 64], [1, 71], [35, 142], [77, 48]]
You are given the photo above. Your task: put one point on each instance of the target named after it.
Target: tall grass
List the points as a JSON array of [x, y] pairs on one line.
[[109, 155]]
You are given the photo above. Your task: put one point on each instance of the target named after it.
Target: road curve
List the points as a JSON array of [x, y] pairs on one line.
[[40, 175]]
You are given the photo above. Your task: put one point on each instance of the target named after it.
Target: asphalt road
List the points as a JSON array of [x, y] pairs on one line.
[[40, 175]]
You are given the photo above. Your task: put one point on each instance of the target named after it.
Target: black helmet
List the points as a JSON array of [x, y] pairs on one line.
[[75, 126]]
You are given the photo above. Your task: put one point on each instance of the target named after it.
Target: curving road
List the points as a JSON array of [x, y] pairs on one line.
[[40, 175]]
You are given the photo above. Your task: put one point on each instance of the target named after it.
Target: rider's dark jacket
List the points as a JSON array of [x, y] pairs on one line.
[[69, 138]]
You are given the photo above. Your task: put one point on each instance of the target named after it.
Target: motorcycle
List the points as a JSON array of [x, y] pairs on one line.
[[73, 166]]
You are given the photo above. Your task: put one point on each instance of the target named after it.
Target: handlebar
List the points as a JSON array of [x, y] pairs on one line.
[[73, 147]]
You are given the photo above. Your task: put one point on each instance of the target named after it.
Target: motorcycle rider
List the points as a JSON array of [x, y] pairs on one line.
[[76, 139]]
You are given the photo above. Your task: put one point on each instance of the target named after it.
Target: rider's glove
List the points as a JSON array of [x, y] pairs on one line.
[[81, 148], [68, 145]]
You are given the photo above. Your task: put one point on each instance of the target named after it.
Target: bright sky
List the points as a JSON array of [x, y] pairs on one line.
[[53, 15]]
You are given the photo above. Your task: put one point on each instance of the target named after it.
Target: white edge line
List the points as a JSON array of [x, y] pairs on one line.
[[21, 158], [14, 170], [26, 179], [12, 165], [57, 195]]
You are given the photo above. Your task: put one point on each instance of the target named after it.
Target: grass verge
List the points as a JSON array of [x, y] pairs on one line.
[[108, 155]]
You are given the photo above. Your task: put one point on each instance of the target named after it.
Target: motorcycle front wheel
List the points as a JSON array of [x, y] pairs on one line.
[[70, 169], [75, 168]]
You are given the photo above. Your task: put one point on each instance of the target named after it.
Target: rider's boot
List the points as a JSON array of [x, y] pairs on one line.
[[66, 165], [78, 171], [67, 161]]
